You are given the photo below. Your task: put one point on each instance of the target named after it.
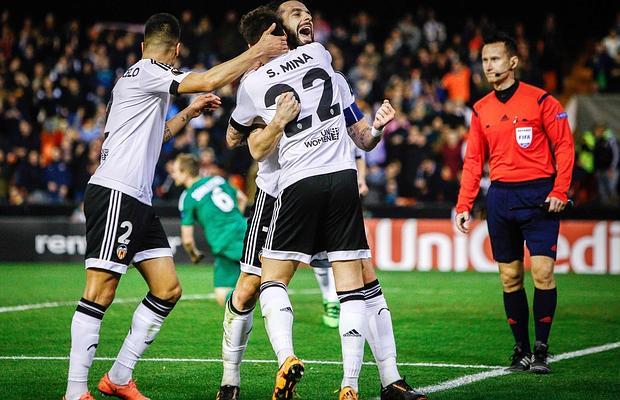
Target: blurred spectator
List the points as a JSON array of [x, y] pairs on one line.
[[456, 82], [606, 157], [57, 177], [29, 178], [56, 75]]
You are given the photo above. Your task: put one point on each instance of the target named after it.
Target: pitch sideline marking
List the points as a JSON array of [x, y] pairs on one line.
[[218, 360], [467, 379], [451, 384], [209, 296]]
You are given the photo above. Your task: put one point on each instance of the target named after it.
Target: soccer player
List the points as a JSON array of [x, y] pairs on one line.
[[284, 391], [218, 208], [523, 132], [121, 226]]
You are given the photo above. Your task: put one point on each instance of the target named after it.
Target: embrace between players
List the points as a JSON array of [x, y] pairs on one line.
[[299, 118]]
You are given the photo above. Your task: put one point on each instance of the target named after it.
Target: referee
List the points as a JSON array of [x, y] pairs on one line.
[[523, 133]]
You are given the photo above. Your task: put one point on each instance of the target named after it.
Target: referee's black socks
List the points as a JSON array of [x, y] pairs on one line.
[[545, 302], [517, 312]]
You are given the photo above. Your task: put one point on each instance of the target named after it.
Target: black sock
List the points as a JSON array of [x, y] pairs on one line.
[[544, 309], [517, 312]]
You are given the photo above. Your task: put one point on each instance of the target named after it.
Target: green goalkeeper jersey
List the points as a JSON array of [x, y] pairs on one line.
[[212, 202]]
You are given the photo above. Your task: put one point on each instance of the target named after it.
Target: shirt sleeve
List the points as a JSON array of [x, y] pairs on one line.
[[475, 157], [351, 111], [243, 115], [186, 207], [555, 124], [161, 78]]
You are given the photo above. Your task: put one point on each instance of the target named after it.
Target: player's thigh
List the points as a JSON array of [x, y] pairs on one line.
[[154, 260], [348, 275], [368, 271], [226, 272], [504, 232], [343, 231], [101, 286], [161, 276], [295, 222], [256, 233], [113, 222], [278, 270]]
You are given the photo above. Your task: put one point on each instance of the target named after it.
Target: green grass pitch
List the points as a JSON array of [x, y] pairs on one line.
[[450, 318]]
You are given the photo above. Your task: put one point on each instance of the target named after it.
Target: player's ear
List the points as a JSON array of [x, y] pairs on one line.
[[142, 47], [177, 50]]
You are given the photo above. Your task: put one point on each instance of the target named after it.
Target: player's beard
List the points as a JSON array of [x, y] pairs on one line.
[[293, 40]]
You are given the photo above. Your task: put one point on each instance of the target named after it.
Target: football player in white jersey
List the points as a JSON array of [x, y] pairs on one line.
[[121, 227], [380, 336]]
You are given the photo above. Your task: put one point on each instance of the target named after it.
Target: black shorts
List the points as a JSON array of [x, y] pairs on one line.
[[317, 214], [256, 232], [509, 228], [120, 230]]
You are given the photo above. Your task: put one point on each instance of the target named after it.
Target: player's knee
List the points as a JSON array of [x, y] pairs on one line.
[[245, 296], [543, 278], [171, 294], [511, 280], [101, 292]]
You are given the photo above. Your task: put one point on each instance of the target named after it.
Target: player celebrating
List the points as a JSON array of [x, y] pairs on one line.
[[121, 226], [218, 208], [524, 134]]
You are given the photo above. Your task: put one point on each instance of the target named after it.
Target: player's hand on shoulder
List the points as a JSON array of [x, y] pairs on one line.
[[555, 205], [203, 103], [270, 46], [287, 109], [384, 114], [462, 221]]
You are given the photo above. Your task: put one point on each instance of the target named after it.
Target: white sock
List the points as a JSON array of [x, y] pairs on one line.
[[352, 330], [84, 340], [278, 313], [145, 325], [237, 327], [325, 278], [380, 334]]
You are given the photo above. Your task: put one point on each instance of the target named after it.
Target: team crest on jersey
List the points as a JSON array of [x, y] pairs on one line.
[[121, 251], [524, 136]]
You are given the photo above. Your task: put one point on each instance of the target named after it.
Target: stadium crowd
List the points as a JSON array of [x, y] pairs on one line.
[[56, 77]]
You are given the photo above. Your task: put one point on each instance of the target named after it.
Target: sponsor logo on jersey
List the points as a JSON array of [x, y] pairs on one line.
[[104, 154], [328, 135], [561, 115], [121, 251], [524, 136]]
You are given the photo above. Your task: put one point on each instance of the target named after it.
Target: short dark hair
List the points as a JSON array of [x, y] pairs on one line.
[[162, 29], [275, 4], [255, 22], [501, 37]]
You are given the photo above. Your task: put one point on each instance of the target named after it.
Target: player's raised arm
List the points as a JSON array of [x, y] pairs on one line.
[[202, 103], [365, 137], [267, 47]]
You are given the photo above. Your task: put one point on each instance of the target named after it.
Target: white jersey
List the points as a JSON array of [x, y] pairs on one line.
[[316, 141], [135, 127]]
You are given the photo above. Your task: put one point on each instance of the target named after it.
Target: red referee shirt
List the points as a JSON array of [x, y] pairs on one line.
[[526, 138]]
